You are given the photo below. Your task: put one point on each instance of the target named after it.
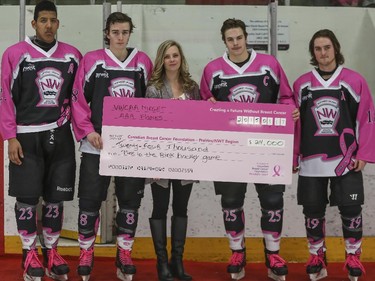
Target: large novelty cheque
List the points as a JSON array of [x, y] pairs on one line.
[[197, 140]]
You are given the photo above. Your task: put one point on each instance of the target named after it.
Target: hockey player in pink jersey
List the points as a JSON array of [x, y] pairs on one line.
[[336, 141], [247, 76], [117, 71], [36, 85]]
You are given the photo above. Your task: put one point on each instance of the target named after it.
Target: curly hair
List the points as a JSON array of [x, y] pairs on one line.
[[326, 33], [158, 73]]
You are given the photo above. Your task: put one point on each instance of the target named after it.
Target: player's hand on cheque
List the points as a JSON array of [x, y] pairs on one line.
[[95, 139], [15, 152], [212, 99], [295, 114]]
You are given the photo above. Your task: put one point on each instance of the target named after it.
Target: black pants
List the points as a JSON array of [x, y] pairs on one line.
[[161, 197]]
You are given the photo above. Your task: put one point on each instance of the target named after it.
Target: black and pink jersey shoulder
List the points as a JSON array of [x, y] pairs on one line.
[[36, 87], [260, 80], [337, 122], [101, 74]]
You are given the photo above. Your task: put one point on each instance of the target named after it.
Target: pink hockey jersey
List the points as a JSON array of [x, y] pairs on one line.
[[337, 122], [101, 74], [36, 87], [260, 80]]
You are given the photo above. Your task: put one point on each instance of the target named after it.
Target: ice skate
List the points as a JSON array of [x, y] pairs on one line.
[[277, 268], [354, 267], [86, 263], [56, 267], [33, 267], [316, 267], [124, 264], [27, 277], [236, 266]]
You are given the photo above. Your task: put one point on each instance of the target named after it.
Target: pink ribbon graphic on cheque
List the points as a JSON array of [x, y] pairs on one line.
[[276, 170]]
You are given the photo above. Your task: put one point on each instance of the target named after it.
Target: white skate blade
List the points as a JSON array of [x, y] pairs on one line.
[[317, 276], [54, 276], [239, 275], [123, 276], [353, 278], [274, 276], [31, 278], [85, 277]]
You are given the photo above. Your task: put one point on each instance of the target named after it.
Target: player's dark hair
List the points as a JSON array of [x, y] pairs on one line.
[[44, 5], [326, 33], [232, 23], [114, 18]]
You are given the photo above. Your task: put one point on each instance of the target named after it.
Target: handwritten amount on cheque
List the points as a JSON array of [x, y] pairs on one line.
[[201, 150]]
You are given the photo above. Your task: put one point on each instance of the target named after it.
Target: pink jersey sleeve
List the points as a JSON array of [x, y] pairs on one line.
[[205, 83], [146, 61], [8, 125], [285, 92], [286, 96], [365, 123], [297, 128], [81, 112]]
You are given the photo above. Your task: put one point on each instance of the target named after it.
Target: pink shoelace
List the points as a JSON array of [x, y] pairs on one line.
[[236, 258], [125, 257], [85, 257], [316, 260], [54, 258], [276, 261], [32, 260], [354, 262]]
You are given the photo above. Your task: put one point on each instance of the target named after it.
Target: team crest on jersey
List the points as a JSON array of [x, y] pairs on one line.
[[244, 93], [326, 112], [122, 88], [49, 81]]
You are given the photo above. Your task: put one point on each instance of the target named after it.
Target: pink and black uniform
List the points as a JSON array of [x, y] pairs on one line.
[[101, 74], [337, 128], [36, 90], [259, 79], [337, 122]]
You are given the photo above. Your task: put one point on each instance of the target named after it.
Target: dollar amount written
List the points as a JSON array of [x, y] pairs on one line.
[[266, 143]]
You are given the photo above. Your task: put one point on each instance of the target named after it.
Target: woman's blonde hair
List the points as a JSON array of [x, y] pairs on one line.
[[157, 77]]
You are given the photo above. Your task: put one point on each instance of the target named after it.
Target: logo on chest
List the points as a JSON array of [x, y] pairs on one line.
[[29, 67], [244, 93], [49, 81], [326, 113], [122, 88], [103, 74], [222, 84]]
